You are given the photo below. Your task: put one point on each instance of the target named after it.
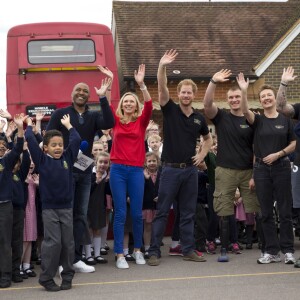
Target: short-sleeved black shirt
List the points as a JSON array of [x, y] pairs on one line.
[[181, 133], [235, 141], [297, 150], [271, 134]]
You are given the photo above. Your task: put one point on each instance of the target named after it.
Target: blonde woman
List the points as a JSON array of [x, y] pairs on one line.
[[127, 158]]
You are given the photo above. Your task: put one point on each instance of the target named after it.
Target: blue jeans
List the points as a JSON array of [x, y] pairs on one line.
[[273, 183], [127, 181], [81, 190]]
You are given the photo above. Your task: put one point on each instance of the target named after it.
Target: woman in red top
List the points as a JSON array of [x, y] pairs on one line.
[[127, 156]]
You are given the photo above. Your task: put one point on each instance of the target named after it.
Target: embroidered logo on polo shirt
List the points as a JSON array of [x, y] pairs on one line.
[[1, 168], [243, 126], [279, 126], [197, 121], [16, 178], [66, 165]]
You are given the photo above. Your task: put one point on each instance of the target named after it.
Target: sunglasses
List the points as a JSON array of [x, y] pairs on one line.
[[81, 120]]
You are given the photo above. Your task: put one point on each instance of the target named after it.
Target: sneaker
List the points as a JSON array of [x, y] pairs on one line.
[[194, 256], [129, 257], [211, 248], [139, 258], [289, 259], [81, 267], [122, 263], [153, 260], [223, 256], [60, 269], [269, 258], [297, 263], [235, 248], [176, 251]]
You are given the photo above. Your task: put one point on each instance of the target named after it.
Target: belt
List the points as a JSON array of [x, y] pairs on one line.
[[178, 165]]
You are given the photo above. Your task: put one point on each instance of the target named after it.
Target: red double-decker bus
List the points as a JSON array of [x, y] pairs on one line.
[[46, 60]]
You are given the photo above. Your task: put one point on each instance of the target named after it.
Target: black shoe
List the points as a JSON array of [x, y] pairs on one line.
[[38, 261], [90, 261], [66, 285], [103, 251], [29, 273], [129, 257], [23, 274], [16, 277], [50, 285], [100, 260], [248, 246], [5, 283]]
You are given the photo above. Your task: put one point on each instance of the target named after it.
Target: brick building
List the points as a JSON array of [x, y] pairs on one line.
[[258, 39]]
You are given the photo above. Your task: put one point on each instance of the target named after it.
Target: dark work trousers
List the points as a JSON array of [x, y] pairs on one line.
[[180, 184], [81, 190], [6, 223], [58, 244], [176, 231], [201, 223], [275, 181], [213, 218], [17, 239]]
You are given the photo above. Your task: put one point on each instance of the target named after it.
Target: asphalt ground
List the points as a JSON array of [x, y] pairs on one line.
[[240, 278]]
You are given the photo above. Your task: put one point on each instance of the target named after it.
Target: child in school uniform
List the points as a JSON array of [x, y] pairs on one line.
[[20, 172], [151, 175], [54, 166], [97, 207], [7, 164]]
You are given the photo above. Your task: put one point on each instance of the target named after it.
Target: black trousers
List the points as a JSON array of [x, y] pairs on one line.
[[273, 183], [6, 221]]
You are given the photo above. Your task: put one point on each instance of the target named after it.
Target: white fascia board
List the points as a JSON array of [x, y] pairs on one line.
[[277, 50]]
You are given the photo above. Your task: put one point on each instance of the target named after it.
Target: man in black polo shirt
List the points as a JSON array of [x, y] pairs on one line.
[[234, 159], [182, 126]]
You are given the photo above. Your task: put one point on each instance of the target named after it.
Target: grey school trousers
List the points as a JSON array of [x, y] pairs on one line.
[[58, 244]]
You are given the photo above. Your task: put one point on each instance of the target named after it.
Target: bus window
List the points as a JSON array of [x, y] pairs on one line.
[[61, 51]]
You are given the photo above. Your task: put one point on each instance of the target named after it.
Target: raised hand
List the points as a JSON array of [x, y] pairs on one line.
[[2, 124], [139, 74], [106, 71], [168, 57], [288, 75], [39, 115], [222, 76], [243, 84], [19, 119], [10, 129], [105, 84], [5, 114], [66, 121]]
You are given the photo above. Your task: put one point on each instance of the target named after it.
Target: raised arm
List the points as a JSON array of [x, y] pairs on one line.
[[281, 100], [103, 90], [163, 92], [243, 84], [210, 107], [139, 76], [106, 71]]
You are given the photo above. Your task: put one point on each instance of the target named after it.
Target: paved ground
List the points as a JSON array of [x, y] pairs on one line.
[[240, 278]]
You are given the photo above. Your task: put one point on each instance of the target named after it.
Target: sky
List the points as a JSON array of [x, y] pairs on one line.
[[33, 11]]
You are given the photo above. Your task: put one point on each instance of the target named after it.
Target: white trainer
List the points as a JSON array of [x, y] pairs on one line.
[[289, 258], [139, 258], [122, 263], [81, 267], [60, 269], [269, 258]]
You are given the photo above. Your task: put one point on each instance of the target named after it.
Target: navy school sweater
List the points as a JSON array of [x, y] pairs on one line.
[[56, 179], [7, 163]]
